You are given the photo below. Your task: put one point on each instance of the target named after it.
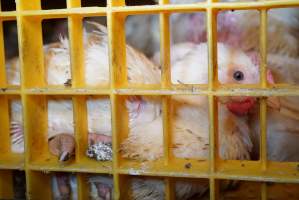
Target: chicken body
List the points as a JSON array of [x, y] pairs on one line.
[[283, 61], [282, 123], [241, 29], [282, 131], [58, 72], [190, 131], [190, 125]]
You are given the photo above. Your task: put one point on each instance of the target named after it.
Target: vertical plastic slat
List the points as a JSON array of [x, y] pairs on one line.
[[212, 48], [166, 110], [28, 5], [31, 53], [36, 127], [39, 185], [19, 7], [213, 130], [165, 83], [6, 184], [116, 2], [77, 50], [263, 71], [214, 189], [83, 187], [115, 143], [263, 47], [80, 119], [76, 43], [165, 47], [263, 125], [162, 2], [169, 189], [4, 126], [264, 191], [73, 3], [3, 83], [117, 50], [23, 44], [117, 65], [213, 79]]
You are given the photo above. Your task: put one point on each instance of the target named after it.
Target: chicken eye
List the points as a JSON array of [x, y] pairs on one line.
[[238, 76]]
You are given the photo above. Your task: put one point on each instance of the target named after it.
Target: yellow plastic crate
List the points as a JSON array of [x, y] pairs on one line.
[[34, 93]]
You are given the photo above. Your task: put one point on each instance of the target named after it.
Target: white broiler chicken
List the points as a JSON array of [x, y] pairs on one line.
[[60, 130], [241, 29], [57, 64], [283, 61], [190, 67], [60, 111], [190, 130]]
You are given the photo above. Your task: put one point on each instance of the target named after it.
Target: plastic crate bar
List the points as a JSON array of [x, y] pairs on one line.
[[60, 13], [67, 91], [220, 92], [214, 189], [264, 191], [167, 142]]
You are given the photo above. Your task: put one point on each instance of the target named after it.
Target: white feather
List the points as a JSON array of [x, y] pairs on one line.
[[16, 126], [99, 116], [60, 117]]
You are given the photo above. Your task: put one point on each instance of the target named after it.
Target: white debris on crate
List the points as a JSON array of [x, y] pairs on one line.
[[100, 151], [134, 172]]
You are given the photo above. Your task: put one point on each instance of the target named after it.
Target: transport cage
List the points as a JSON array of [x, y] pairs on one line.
[[263, 179]]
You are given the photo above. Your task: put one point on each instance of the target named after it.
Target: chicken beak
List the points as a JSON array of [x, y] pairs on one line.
[[273, 102]]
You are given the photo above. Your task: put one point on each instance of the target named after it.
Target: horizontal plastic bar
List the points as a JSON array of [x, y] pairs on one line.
[[246, 176], [220, 92], [80, 167]]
